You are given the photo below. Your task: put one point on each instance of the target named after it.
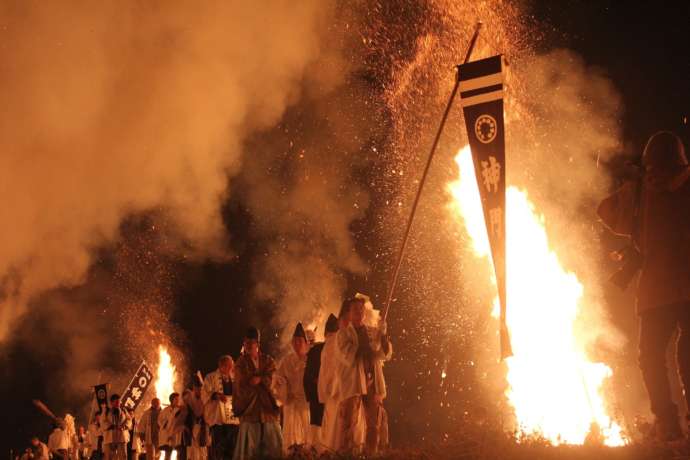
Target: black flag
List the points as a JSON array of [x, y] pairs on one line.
[[101, 392], [481, 96], [134, 392]]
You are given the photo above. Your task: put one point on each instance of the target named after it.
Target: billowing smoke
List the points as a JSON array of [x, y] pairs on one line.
[[112, 110], [304, 192]]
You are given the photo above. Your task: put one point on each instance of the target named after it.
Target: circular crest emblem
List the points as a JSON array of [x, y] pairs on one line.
[[101, 394], [143, 381], [485, 128]]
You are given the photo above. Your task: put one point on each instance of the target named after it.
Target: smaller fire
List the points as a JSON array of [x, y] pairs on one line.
[[165, 376]]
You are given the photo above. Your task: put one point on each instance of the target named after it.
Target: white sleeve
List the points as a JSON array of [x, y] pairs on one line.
[[346, 345], [144, 422], [208, 389]]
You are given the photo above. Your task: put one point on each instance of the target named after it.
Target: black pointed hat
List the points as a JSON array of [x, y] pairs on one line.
[[331, 324], [197, 381], [253, 334], [299, 332]]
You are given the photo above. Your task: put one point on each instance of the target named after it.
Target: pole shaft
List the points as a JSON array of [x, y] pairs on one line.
[[434, 145]]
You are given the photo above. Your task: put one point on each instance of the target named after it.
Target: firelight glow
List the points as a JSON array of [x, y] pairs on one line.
[[554, 389], [165, 376]]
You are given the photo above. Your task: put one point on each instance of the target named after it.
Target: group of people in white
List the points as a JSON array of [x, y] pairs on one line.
[[325, 396]]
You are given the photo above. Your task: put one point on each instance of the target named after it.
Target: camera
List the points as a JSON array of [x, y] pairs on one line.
[[631, 264]]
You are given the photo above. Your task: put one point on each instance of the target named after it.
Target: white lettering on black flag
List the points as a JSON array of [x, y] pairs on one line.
[[481, 97], [137, 387]]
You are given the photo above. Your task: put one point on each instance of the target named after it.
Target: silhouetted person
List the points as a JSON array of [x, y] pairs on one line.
[[657, 218]]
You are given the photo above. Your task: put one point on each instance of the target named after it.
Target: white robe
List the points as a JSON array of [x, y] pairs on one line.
[[288, 382], [217, 412], [58, 440], [350, 371], [171, 426], [93, 432], [197, 451], [116, 428], [351, 376], [145, 428]]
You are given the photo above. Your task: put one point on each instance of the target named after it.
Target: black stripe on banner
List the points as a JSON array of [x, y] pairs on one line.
[[478, 91], [480, 68]]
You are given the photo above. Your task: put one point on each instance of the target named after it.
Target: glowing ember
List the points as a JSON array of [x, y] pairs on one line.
[[553, 387], [165, 377]]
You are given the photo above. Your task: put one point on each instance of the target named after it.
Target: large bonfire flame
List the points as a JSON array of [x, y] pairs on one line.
[[165, 376], [554, 389]]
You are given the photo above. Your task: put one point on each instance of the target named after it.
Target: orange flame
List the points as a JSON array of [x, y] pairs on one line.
[[554, 389], [165, 376]]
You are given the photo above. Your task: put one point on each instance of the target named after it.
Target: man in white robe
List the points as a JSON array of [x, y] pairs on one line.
[[196, 423], [312, 377], [116, 423], [361, 351], [84, 445], [149, 429], [328, 391], [59, 443], [218, 411], [95, 433], [171, 428], [289, 389]]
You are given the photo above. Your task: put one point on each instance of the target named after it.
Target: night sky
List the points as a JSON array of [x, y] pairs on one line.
[[640, 46]]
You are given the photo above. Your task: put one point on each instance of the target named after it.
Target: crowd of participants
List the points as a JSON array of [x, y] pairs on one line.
[[320, 397]]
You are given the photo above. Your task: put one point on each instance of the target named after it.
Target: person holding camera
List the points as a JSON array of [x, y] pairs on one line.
[[654, 211]]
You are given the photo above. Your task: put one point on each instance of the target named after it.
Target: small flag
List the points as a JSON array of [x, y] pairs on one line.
[[101, 392], [481, 97]]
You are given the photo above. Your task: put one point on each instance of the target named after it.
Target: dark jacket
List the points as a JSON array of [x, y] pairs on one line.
[[664, 240], [254, 403], [311, 384]]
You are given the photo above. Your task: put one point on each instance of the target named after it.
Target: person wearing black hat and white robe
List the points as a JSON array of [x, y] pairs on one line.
[[311, 385], [289, 388], [218, 412], [328, 387], [255, 404], [116, 423]]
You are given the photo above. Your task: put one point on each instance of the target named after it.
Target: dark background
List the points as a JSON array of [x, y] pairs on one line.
[[640, 46]]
